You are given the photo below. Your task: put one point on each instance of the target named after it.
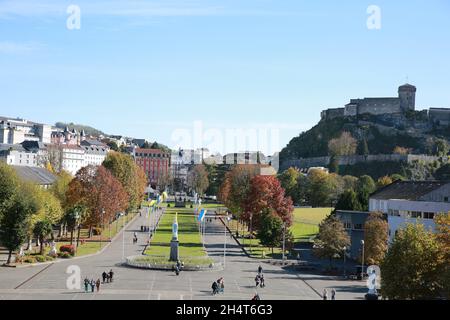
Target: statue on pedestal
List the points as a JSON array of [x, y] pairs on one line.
[[174, 243], [53, 252], [175, 228]]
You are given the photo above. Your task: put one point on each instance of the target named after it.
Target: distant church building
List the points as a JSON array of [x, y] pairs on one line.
[[406, 101], [68, 137]]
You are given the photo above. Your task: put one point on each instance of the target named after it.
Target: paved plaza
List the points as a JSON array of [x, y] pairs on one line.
[[49, 281]]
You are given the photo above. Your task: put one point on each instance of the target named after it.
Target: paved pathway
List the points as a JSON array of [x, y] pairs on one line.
[[49, 281]]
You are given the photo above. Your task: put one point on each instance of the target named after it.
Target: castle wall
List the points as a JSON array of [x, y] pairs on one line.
[[332, 113], [304, 163], [379, 106], [440, 116]]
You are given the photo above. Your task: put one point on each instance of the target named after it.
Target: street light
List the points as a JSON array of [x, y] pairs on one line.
[[251, 231], [362, 261], [101, 230], [345, 268], [123, 236], [284, 240]]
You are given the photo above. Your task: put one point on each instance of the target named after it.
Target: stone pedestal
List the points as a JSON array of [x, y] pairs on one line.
[[174, 250]]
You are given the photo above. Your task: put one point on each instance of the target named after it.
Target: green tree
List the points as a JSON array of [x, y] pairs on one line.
[[112, 145], [60, 187], [348, 201], [334, 164], [271, 229], [9, 185], [14, 222], [42, 229], [289, 180], [363, 148], [365, 187], [319, 188], [441, 147], [376, 236], [411, 268], [331, 239]]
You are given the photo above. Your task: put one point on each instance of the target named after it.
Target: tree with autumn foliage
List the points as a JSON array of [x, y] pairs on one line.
[[331, 240], [266, 193], [100, 192], [376, 236], [197, 179], [236, 187], [443, 238], [131, 176]]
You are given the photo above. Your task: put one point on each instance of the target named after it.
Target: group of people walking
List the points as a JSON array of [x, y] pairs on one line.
[[259, 279], [91, 285], [218, 286], [325, 294]]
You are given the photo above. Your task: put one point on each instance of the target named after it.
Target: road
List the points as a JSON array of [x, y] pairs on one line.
[[48, 282]]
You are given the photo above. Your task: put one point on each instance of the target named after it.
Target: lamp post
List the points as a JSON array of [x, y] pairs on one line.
[[345, 268], [284, 240], [101, 232], [362, 261], [77, 223], [123, 237], [251, 231]]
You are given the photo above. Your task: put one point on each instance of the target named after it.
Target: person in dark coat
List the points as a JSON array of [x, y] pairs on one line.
[[111, 274]]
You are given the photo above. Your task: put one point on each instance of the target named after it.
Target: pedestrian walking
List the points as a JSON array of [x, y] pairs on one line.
[[111, 274], [104, 276], [214, 288], [222, 286], [97, 284], [325, 294], [257, 280], [261, 279], [92, 285], [86, 285], [260, 270], [256, 297], [333, 294]]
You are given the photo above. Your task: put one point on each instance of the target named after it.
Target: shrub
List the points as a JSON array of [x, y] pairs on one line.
[[49, 258], [64, 255], [68, 248], [168, 205], [29, 259], [40, 258], [96, 231]]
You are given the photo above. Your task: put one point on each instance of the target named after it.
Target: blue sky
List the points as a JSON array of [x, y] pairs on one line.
[[147, 68]]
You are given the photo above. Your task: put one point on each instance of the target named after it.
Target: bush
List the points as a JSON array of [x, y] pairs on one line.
[[96, 231], [49, 258], [64, 255], [29, 259], [68, 248], [168, 205], [40, 258]]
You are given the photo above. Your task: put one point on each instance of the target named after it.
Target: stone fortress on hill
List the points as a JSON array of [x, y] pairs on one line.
[[390, 116], [405, 102]]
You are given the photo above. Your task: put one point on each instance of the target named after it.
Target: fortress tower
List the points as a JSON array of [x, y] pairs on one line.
[[407, 96]]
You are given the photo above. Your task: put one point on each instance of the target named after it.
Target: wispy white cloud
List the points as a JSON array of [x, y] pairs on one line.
[[15, 48], [40, 8], [134, 8]]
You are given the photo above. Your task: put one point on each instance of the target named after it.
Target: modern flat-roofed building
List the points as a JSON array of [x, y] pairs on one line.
[[411, 202]]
